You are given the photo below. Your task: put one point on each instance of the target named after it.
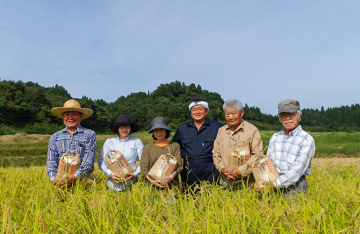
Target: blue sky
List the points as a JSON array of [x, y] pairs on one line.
[[260, 52]]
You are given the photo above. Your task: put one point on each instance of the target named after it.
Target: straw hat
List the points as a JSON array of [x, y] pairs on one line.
[[71, 105]]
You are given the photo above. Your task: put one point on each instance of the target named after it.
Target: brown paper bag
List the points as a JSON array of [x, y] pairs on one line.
[[118, 164], [240, 154], [264, 170], [165, 165], [68, 165]]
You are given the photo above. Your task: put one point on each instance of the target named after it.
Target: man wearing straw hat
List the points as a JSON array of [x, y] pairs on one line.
[[291, 151], [74, 138]]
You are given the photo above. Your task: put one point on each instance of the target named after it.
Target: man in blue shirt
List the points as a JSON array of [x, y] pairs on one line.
[[196, 138], [291, 150], [73, 138]]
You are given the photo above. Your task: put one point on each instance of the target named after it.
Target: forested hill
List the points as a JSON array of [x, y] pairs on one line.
[[27, 107]]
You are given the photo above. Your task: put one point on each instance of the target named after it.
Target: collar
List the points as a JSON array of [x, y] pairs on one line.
[[127, 138], [293, 132], [207, 122], [241, 125], [79, 129]]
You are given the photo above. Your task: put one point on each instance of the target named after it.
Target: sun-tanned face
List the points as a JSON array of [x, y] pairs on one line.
[[124, 131], [290, 121], [159, 134], [72, 119], [198, 113], [234, 117]]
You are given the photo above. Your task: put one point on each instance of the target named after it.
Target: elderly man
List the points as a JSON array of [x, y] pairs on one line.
[[291, 151], [196, 138], [73, 138], [235, 132]]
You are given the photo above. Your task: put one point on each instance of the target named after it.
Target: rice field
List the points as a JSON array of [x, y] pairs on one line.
[[30, 204]]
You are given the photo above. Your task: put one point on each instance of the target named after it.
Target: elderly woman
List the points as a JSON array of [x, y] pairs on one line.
[[130, 147], [152, 152], [236, 131]]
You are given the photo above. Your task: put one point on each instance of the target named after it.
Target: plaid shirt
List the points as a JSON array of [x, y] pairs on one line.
[[291, 155], [83, 141]]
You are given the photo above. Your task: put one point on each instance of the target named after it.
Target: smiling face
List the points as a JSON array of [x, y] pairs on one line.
[[159, 134], [233, 117], [199, 113], [124, 131], [72, 119], [289, 121]]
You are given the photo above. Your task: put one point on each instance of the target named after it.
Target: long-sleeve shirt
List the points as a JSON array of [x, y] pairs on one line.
[[131, 148], [291, 155], [245, 132], [196, 149], [152, 152], [83, 141]]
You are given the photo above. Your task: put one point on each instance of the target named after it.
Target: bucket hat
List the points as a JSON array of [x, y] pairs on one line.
[[159, 122], [124, 120], [71, 105], [288, 105]]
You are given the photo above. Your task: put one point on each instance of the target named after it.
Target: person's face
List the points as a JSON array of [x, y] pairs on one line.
[[124, 131], [289, 121], [159, 134], [198, 113], [234, 117], [72, 119]]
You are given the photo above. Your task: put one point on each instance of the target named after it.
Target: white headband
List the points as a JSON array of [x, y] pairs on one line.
[[201, 103]]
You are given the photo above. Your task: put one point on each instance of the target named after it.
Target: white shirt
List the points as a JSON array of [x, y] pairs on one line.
[[131, 148]]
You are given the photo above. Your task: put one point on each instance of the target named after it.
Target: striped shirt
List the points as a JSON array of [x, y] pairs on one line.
[[291, 155], [82, 140]]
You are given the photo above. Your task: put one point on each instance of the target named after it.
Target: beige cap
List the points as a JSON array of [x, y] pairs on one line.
[[71, 105]]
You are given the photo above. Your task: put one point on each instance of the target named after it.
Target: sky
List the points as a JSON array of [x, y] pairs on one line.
[[260, 52]]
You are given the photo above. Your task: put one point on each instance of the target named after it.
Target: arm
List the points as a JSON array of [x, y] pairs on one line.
[[217, 157], [145, 162], [256, 144], [89, 158], [102, 160], [52, 159], [298, 168], [139, 149]]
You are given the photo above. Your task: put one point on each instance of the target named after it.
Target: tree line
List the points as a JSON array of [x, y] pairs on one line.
[[26, 107]]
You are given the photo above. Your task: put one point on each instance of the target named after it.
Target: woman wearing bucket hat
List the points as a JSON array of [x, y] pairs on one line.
[[160, 132], [130, 147]]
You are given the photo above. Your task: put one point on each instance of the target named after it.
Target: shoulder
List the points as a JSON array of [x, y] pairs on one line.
[[89, 132], [222, 129], [57, 134], [135, 139], [308, 139], [250, 127], [174, 144], [184, 125], [275, 135], [149, 146], [215, 123]]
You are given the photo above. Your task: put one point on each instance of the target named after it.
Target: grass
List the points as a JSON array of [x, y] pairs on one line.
[[30, 204], [22, 152]]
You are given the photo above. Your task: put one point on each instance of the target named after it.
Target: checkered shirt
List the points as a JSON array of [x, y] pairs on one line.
[[291, 155], [83, 141]]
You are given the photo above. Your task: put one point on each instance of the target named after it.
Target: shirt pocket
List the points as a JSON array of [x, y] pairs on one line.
[[207, 145], [81, 146], [186, 141]]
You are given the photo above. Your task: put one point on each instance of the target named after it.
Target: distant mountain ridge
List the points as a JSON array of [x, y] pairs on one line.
[[28, 106]]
